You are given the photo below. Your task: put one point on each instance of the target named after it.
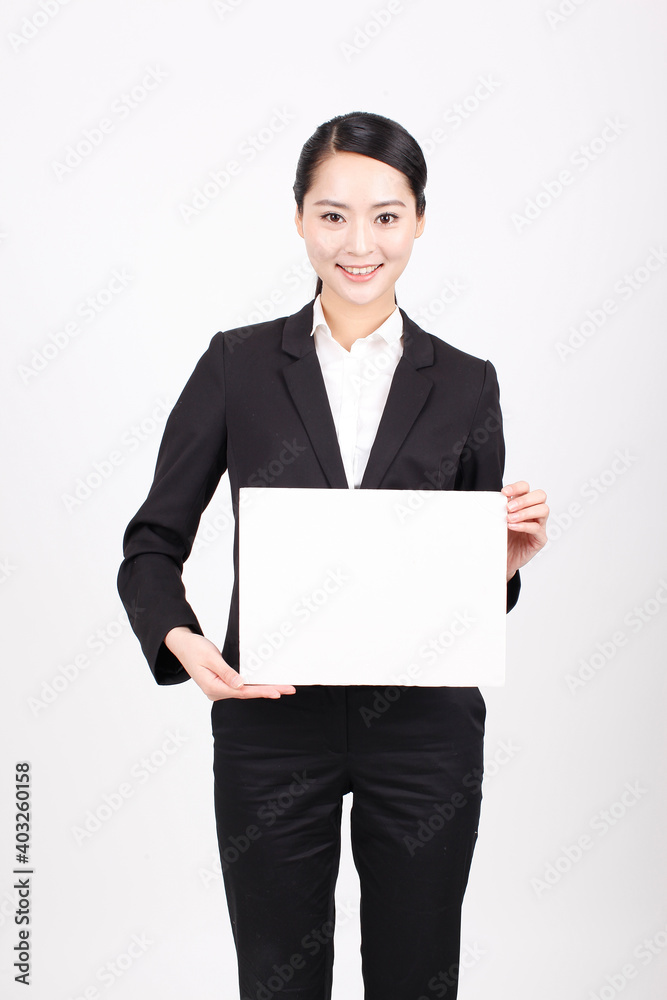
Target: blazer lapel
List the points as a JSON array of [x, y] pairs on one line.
[[407, 395]]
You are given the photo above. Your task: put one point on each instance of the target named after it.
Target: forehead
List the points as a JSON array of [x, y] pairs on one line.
[[349, 178]]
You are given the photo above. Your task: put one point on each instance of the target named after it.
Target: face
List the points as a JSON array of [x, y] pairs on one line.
[[359, 213]]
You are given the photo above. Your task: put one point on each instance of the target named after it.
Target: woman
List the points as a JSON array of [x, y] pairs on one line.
[[350, 393]]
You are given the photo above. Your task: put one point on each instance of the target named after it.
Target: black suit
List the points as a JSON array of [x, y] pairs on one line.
[[256, 405]]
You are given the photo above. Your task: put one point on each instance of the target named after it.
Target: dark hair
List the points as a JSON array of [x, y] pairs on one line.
[[371, 135]]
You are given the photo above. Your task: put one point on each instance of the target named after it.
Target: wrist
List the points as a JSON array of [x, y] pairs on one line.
[[174, 636]]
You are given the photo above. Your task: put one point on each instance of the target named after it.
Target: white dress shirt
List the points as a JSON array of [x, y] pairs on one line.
[[357, 383]]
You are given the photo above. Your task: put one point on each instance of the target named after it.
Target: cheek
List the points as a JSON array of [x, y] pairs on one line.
[[397, 249], [325, 246]]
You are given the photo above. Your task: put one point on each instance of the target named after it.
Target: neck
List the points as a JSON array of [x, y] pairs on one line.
[[348, 322]]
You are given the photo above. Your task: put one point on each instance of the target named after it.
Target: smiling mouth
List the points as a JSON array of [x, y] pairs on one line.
[[360, 270]]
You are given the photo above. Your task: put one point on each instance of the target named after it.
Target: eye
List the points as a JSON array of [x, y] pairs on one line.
[[332, 216], [388, 217]]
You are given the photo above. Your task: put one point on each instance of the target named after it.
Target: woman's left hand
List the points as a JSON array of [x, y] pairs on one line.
[[527, 515]]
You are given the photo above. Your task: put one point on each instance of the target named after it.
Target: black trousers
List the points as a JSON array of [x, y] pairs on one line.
[[412, 757]]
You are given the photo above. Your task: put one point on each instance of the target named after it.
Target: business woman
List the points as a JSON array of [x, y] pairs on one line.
[[348, 392]]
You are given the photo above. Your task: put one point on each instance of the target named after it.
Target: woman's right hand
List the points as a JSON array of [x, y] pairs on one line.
[[204, 662]]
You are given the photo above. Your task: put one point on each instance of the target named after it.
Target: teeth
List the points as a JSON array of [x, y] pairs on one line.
[[360, 270]]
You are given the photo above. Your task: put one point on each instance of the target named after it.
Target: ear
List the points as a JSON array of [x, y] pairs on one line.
[[421, 222], [299, 222]]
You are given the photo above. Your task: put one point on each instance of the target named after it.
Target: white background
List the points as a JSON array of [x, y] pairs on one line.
[[536, 89]]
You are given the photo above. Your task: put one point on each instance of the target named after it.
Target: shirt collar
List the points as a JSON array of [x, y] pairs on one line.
[[391, 330]]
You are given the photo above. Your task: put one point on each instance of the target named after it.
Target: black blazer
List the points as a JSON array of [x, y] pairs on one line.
[[256, 405]]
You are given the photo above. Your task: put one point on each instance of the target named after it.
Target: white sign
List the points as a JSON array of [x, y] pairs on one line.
[[374, 587]]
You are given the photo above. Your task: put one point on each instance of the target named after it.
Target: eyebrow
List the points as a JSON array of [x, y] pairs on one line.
[[339, 204]]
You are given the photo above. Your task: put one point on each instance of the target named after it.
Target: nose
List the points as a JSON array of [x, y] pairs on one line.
[[360, 240]]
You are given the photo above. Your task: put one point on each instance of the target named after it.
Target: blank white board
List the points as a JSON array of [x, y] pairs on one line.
[[373, 587]]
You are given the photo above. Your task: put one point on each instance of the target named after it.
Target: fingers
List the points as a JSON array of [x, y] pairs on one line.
[[536, 512], [521, 497], [205, 664], [516, 489], [216, 688], [265, 690], [527, 510], [226, 673], [528, 527], [232, 686]]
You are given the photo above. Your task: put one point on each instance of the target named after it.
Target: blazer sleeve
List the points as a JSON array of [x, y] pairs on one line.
[[191, 460], [482, 460]]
